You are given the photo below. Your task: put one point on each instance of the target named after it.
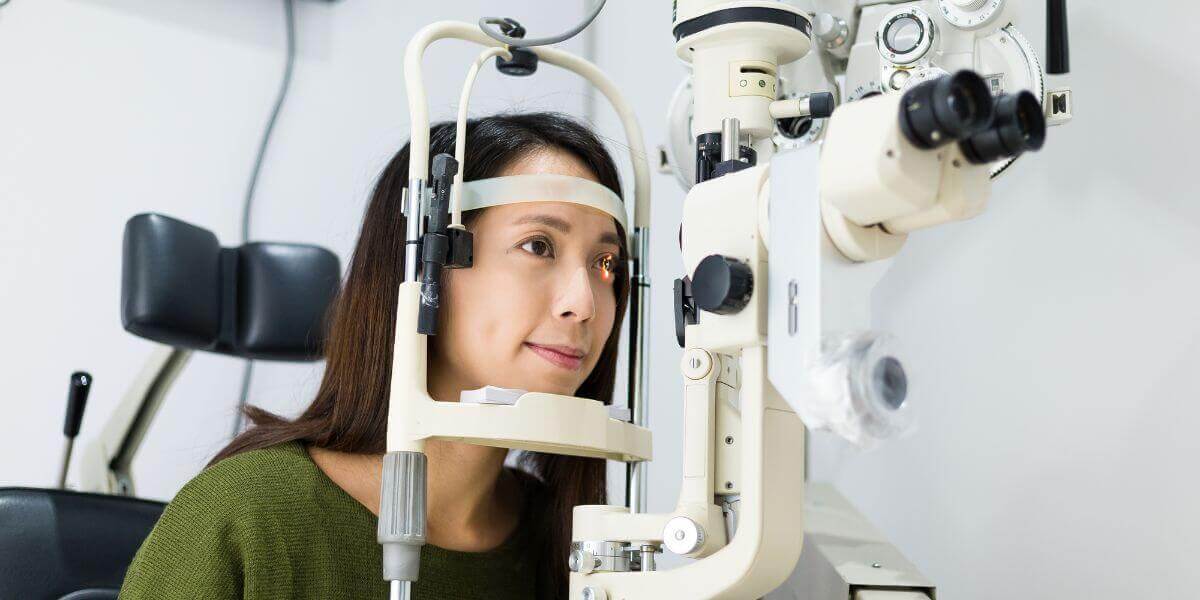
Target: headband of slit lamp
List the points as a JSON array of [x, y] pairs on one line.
[[542, 187]]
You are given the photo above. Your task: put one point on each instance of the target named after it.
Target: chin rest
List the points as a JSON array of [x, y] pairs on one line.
[[63, 544], [258, 300]]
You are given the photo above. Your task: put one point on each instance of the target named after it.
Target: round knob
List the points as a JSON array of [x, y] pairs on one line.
[[722, 285], [829, 30], [581, 561], [594, 593], [683, 536], [696, 364], [968, 4]]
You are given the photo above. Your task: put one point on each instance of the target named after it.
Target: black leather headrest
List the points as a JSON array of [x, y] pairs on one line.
[[55, 543], [259, 300]]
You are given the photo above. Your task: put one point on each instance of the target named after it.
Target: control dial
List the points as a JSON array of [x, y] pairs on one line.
[[722, 285], [970, 14]]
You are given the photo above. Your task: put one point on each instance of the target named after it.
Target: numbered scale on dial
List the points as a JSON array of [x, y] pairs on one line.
[[970, 14]]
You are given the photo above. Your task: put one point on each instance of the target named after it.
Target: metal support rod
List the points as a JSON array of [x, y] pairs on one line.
[[731, 131], [401, 590], [415, 195], [121, 464], [66, 462], [635, 473], [648, 557]]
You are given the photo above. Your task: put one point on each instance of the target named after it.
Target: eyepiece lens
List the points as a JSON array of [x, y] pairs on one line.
[[960, 104], [1019, 125], [949, 108]]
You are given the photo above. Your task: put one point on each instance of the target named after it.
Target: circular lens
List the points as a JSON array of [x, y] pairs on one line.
[[1019, 126], [1029, 121], [891, 381], [961, 104], [939, 111], [904, 34]]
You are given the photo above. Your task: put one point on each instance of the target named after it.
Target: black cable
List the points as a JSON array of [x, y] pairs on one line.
[[290, 26], [520, 42]]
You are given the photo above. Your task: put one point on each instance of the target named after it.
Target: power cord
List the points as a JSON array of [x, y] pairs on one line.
[[290, 26], [506, 26]]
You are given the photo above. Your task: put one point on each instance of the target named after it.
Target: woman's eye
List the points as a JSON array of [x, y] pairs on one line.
[[538, 247], [607, 264]]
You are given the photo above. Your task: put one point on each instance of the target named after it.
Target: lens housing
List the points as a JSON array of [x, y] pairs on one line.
[[946, 109], [1018, 125]]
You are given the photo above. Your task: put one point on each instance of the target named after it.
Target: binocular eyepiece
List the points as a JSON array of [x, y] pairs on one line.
[[1018, 125], [960, 108]]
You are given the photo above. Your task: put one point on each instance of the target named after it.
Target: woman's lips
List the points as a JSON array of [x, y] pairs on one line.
[[557, 358]]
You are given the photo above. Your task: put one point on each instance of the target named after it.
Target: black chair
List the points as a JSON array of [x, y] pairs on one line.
[[63, 544], [265, 301]]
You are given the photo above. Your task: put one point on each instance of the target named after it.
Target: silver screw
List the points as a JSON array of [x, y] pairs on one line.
[[876, 565]]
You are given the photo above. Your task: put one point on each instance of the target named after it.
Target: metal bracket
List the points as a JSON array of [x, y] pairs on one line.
[[1059, 106]]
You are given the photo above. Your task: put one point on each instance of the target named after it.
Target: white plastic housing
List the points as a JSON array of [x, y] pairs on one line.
[[724, 56], [869, 172]]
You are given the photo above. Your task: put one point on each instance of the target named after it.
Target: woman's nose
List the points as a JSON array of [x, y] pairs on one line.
[[576, 301]]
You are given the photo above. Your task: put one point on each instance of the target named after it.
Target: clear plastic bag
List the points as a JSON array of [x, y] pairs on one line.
[[857, 389]]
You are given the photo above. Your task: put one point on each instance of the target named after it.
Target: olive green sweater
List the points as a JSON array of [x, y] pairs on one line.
[[270, 524]]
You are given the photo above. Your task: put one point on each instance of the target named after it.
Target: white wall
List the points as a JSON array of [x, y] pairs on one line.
[[1059, 338], [109, 108], [1051, 337]]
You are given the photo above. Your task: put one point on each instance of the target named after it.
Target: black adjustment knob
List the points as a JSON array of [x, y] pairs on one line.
[[722, 285], [820, 105], [77, 394]]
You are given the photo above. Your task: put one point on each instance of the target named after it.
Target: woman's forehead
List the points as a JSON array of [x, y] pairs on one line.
[[549, 161]]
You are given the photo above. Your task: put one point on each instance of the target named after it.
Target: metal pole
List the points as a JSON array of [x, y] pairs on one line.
[[401, 590], [415, 201], [66, 462], [635, 473], [731, 130]]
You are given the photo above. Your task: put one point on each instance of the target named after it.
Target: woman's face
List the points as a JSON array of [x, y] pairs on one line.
[[537, 306]]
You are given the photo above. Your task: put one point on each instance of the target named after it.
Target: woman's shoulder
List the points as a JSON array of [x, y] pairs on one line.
[[233, 518], [249, 484]]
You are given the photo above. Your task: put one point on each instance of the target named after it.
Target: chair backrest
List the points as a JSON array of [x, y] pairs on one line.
[[258, 300], [57, 543]]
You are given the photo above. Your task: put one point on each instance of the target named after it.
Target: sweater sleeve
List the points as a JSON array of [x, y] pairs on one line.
[[192, 552]]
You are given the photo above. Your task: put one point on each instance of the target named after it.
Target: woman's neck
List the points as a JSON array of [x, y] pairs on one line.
[[474, 502]]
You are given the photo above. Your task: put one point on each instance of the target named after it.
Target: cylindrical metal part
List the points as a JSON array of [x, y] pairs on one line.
[[648, 552], [66, 462], [635, 473], [401, 590], [730, 133], [412, 249], [402, 514]]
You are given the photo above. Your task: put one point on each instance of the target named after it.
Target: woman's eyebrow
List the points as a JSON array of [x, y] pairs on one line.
[[564, 226]]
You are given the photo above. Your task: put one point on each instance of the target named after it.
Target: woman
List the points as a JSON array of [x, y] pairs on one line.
[[289, 508]]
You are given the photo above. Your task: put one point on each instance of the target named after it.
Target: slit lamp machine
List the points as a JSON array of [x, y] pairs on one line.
[[848, 124]]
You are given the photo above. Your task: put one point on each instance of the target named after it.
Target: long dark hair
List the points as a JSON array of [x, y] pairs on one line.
[[349, 413]]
